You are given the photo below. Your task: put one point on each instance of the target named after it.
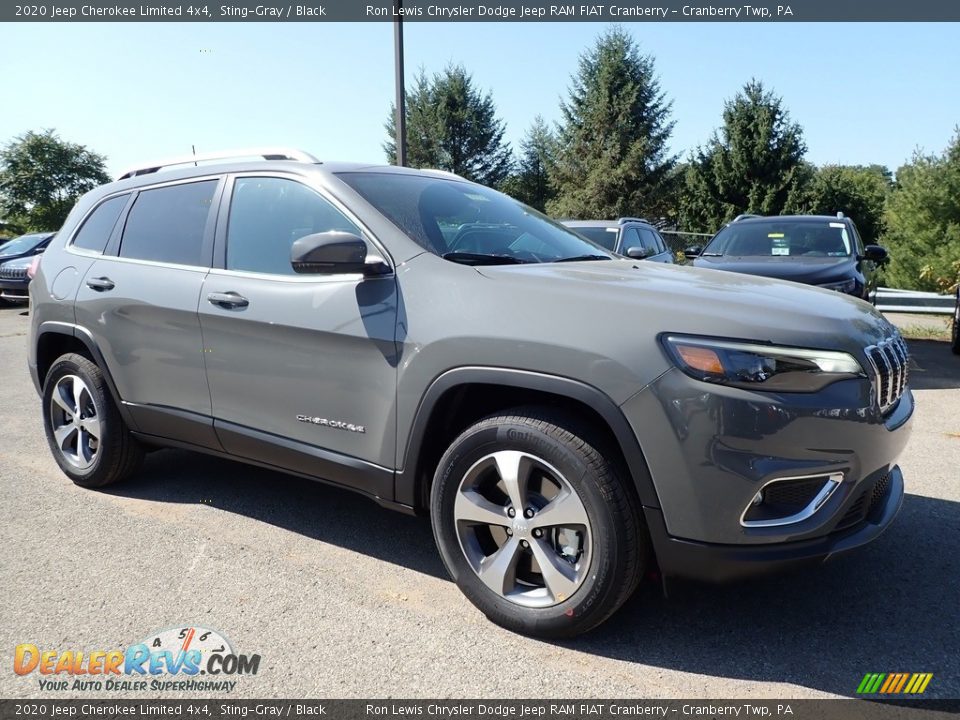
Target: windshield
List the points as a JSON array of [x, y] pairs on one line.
[[22, 244], [782, 238], [602, 236], [469, 223]]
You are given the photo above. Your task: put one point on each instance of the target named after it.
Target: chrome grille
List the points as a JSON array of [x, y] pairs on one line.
[[13, 273], [891, 367]]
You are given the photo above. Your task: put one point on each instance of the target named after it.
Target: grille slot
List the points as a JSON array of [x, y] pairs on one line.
[[891, 368], [867, 501], [13, 273]]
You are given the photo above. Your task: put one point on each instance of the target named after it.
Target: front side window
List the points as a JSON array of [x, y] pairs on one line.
[[781, 238], [468, 223], [96, 229], [268, 214], [167, 224]]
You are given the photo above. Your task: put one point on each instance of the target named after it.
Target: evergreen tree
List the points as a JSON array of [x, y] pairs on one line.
[[923, 223], [452, 126], [858, 191], [754, 163], [612, 156], [530, 183]]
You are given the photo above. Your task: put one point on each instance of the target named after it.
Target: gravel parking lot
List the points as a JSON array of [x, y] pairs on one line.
[[342, 598]]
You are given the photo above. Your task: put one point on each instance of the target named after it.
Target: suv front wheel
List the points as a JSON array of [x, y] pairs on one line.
[[535, 525], [86, 434]]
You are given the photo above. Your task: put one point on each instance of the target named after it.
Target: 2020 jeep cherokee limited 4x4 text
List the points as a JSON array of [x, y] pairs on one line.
[[567, 417]]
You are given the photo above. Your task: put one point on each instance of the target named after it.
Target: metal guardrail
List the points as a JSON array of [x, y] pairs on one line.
[[910, 301]]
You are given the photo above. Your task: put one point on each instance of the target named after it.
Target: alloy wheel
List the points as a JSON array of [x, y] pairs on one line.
[[523, 529], [75, 422]]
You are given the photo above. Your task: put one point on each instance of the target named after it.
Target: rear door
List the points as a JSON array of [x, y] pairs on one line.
[[139, 301], [302, 368]]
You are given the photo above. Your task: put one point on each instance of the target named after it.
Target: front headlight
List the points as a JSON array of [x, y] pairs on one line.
[[760, 367], [844, 286]]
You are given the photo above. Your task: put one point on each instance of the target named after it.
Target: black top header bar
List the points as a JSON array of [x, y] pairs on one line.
[[625, 11]]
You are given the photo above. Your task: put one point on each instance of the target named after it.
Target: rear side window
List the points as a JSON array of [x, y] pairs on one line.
[[167, 224], [95, 231], [267, 215]]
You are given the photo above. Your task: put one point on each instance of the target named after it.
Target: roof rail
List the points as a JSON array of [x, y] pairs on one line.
[[632, 219], [745, 216], [267, 153]]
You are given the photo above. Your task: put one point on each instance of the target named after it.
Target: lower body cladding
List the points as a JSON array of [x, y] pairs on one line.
[[750, 482]]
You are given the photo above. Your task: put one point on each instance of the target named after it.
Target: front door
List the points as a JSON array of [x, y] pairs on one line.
[[301, 368]]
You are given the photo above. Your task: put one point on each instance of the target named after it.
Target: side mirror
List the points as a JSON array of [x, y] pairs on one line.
[[692, 252], [334, 252], [639, 253], [875, 253]]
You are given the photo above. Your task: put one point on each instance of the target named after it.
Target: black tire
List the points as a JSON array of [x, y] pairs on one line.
[[117, 454], [955, 334], [617, 538]]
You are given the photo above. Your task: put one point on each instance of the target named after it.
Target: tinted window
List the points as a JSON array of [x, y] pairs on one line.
[[649, 240], [22, 244], [464, 222], [631, 238], [267, 215], [167, 224], [95, 231]]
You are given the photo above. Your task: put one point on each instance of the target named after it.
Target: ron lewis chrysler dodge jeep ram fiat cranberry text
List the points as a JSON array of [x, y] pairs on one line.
[[566, 416]]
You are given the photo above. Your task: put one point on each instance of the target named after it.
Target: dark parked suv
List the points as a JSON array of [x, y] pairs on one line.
[[566, 416], [817, 250]]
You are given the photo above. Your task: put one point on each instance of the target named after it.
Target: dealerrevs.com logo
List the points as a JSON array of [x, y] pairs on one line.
[[177, 659]]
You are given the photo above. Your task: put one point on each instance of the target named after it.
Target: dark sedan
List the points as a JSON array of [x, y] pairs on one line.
[[816, 250]]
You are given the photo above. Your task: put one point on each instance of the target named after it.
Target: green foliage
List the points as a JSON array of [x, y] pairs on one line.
[[41, 177], [858, 191], [923, 223], [530, 182], [452, 126], [612, 157], [754, 163]]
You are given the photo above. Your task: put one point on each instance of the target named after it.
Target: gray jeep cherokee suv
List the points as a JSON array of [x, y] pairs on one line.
[[567, 417]]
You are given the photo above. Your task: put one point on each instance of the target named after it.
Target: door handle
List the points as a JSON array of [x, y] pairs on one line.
[[230, 300], [100, 284]]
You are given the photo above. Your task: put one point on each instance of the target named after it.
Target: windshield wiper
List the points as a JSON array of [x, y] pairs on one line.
[[580, 258], [469, 258]]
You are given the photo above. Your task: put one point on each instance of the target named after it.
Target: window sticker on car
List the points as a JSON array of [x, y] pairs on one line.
[[838, 225], [780, 244]]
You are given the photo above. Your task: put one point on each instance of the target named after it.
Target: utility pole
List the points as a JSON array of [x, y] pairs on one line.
[[401, 124]]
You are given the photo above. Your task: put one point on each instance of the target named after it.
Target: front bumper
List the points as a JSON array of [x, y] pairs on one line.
[[721, 563], [15, 290]]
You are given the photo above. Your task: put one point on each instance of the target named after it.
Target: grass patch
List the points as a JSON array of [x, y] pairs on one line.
[[924, 332]]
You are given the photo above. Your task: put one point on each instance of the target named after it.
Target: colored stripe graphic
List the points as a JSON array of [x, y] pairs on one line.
[[894, 683]]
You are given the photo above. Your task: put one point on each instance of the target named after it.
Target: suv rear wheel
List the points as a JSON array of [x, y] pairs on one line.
[[535, 525], [86, 434]]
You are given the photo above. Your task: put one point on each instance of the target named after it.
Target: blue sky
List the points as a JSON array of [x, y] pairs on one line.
[[136, 91]]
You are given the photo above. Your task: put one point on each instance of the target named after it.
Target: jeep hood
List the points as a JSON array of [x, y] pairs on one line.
[[671, 298]]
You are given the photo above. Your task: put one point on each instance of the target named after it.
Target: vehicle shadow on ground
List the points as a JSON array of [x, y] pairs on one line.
[[887, 607], [312, 509], [933, 366]]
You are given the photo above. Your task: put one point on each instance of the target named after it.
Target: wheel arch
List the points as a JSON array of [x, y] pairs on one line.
[[57, 338], [461, 396]]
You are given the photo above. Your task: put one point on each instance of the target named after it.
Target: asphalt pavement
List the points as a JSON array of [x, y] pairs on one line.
[[342, 598]]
